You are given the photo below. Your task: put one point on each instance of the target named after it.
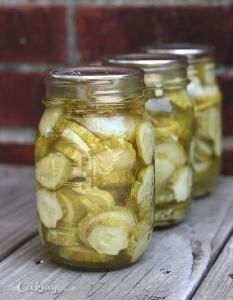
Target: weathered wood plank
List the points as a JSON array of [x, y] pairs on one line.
[[15, 171], [218, 284], [171, 268], [17, 201]]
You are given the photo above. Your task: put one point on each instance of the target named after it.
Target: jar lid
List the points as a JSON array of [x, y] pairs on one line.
[[193, 52], [93, 73], [158, 68], [148, 62], [92, 82]]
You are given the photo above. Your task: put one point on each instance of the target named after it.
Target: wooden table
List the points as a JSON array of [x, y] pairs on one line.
[[191, 261]]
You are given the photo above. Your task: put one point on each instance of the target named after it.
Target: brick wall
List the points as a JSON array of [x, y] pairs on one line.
[[37, 34]]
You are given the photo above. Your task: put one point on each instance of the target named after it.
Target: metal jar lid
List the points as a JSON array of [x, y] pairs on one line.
[[148, 62], [194, 52], [165, 68]]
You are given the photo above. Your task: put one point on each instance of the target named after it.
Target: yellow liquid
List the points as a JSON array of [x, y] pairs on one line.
[[95, 189], [172, 117], [207, 153]]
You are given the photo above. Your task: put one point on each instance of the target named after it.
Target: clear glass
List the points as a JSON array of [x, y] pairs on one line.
[[206, 96], [95, 178], [171, 112]]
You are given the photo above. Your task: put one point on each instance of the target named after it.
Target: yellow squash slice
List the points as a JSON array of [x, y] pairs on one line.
[[202, 166], [145, 142], [203, 149], [112, 127], [53, 170], [181, 184], [139, 241], [41, 147], [179, 98], [164, 168], [49, 208], [108, 238], [61, 237], [68, 150], [72, 207], [48, 120], [143, 189], [113, 155], [40, 230], [113, 179], [209, 127], [121, 215], [94, 197], [173, 151]]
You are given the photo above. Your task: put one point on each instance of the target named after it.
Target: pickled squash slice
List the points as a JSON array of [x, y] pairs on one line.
[[72, 153], [202, 166], [179, 98], [181, 184], [107, 232], [203, 149], [40, 230], [41, 147], [143, 189], [83, 254], [139, 241], [53, 170], [209, 127], [113, 155], [173, 151], [49, 208], [61, 237], [48, 120], [72, 207], [164, 168], [112, 127], [94, 198], [145, 142], [108, 239], [78, 137], [114, 179]]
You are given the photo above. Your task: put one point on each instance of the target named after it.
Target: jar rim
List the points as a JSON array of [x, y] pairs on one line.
[[193, 52], [149, 62], [96, 84], [92, 73]]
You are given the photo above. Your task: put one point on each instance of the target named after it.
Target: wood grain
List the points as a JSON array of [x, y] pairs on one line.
[[17, 214], [171, 269], [218, 284]]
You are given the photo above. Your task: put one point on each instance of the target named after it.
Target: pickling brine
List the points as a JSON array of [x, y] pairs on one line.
[[172, 117], [171, 113], [95, 170], [206, 97]]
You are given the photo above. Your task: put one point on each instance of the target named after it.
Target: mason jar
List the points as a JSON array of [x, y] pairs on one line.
[[171, 112], [95, 168], [206, 95]]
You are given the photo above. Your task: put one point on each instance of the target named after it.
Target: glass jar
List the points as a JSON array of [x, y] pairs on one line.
[[171, 113], [205, 93], [95, 168]]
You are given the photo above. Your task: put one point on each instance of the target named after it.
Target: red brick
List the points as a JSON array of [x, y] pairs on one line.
[[20, 99], [227, 163], [16, 154], [109, 30], [226, 83], [33, 34]]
